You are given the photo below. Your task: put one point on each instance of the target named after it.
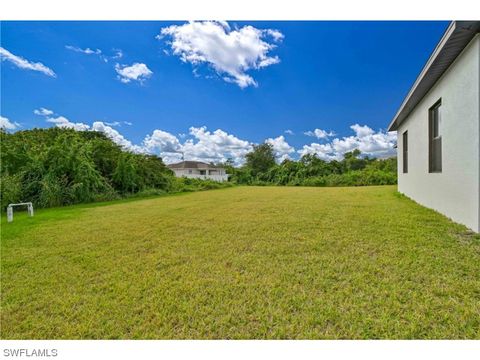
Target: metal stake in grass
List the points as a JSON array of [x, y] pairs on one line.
[[10, 210]]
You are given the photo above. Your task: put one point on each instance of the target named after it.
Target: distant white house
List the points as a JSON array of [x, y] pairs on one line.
[[438, 127], [198, 170]]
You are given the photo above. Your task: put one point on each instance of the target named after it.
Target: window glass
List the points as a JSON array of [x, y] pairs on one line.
[[435, 138], [405, 151], [436, 121]]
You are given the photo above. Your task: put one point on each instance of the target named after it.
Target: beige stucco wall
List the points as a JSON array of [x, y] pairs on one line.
[[455, 191]]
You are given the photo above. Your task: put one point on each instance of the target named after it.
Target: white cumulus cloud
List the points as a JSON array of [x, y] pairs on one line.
[[22, 63], [135, 72], [361, 131], [231, 53], [281, 148], [60, 121], [320, 134], [205, 146], [369, 142], [42, 111], [63, 122], [6, 124], [162, 142], [215, 146], [116, 137], [323, 151]]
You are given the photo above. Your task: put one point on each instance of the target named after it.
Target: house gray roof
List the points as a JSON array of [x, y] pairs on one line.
[[192, 165], [454, 40]]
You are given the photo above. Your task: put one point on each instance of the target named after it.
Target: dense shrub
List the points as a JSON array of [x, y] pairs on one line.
[[353, 170], [11, 189], [54, 167], [189, 184]]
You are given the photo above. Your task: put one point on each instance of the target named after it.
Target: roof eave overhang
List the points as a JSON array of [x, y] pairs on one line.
[[457, 36]]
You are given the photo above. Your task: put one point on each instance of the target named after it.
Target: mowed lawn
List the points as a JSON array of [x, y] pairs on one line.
[[242, 263]]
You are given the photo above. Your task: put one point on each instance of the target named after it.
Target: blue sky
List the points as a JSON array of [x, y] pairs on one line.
[[167, 87]]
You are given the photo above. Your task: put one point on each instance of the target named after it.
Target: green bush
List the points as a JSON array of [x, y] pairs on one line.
[[191, 184], [315, 181], [55, 167], [149, 192], [11, 189], [353, 170]]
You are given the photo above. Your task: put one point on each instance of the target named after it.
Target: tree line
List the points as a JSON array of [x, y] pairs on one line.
[[354, 169], [57, 166]]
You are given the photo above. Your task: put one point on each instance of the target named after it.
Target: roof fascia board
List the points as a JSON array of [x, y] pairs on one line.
[[451, 28]]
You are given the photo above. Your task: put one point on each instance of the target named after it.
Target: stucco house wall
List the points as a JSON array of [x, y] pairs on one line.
[[455, 191], [216, 175]]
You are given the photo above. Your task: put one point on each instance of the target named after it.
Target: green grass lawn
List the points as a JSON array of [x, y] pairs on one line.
[[244, 262]]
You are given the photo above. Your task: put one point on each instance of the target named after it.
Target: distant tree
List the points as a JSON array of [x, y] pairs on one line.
[[354, 161], [352, 154], [230, 162], [260, 159], [229, 166]]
